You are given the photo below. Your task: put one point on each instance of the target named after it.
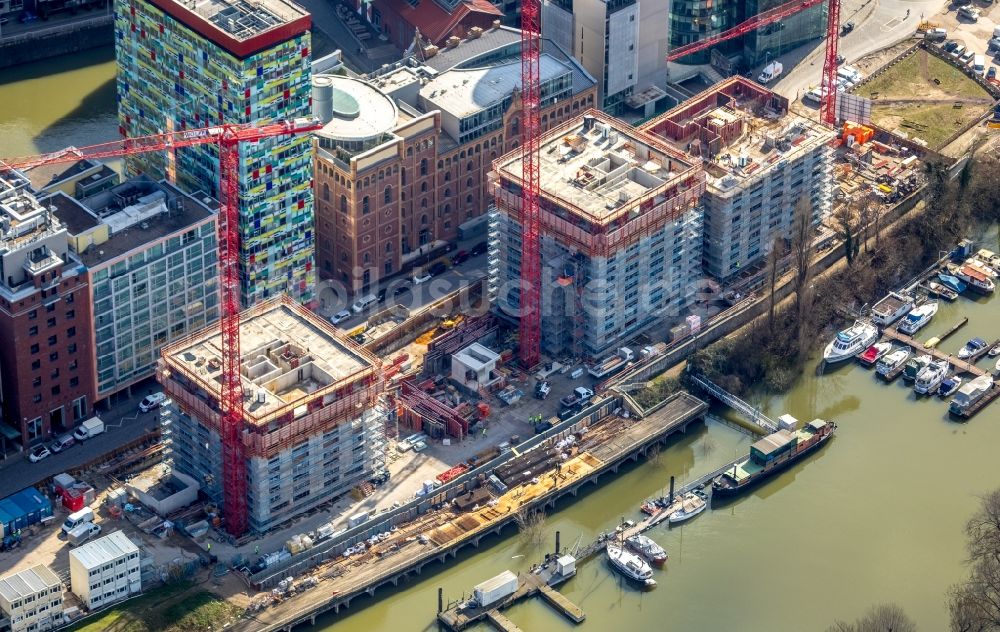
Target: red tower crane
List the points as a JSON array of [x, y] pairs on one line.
[[228, 138], [828, 105], [529, 330]]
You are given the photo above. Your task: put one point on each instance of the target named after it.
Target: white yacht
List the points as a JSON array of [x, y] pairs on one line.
[[930, 377], [892, 361], [851, 342], [917, 318], [630, 565]]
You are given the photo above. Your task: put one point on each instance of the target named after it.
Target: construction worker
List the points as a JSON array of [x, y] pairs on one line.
[[256, 549]]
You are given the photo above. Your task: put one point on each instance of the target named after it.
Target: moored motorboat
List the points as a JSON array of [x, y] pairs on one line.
[[647, 548], [874, 353], [995, 351], [915, 366], [892, 361], [952, 282], [942, 291], [982, 267], [630, 565], [691, 505], [949, 386], [917, 318], [930, 377], [851, 342], [972, 347], [975, 276]]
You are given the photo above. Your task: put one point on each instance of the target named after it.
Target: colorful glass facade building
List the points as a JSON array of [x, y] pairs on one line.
[[186, 65]]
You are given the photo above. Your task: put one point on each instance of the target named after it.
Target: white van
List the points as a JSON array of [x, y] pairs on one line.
[[979, 65], [850, 73], [364, 303], [77, 518]]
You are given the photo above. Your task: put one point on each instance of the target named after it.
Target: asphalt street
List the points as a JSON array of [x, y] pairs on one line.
[[123, 424]]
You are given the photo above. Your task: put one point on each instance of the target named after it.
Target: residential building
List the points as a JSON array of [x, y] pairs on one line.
[[403, 159], [760, 160], [45, 318], [187, 65], [151, 254], [311, 430], [435, 20], [31, 600], [105, 570], [620, 231], [623, 43]]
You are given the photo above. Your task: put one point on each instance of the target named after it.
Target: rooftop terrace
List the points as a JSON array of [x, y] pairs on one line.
[[287, 355], [598, 165]]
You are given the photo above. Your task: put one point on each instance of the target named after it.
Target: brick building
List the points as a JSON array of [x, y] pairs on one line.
[[45, 318], [403, 160], [437, 20]]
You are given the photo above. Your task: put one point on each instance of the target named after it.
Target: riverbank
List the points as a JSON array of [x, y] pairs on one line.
[[772, 353], [75, 36]]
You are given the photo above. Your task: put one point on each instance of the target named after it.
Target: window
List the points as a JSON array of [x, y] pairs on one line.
[[423, 166], [74, 381], [71, 348], [70, 314], [53, 340], [69, 299], [343, 203], [55, 389], [36, 382], [51, 322], [388, 195], [33, 314], [34, 348], [71, 332], [36, 364], [326, 192], [33, 331], [365, 209], [53, 356]]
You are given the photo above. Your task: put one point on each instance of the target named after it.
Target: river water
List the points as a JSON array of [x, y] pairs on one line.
[[876, 516]]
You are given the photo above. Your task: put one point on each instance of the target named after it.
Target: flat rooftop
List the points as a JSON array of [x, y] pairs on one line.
[[239, 26], [28, 582], [352, 109], [286, 353], [596, 164], [137, 212], [463, 92], [741, 130]]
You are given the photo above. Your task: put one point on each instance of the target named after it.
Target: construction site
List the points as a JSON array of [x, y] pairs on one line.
[[620, 234]]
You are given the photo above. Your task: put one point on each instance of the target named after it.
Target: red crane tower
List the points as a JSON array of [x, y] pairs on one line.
[[530, 326], [228, 138], [828, 104]]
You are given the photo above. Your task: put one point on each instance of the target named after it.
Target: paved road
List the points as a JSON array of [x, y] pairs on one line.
[[878, 24], [124, 424]]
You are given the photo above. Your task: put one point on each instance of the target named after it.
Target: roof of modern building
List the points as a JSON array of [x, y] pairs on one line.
[[28, 582], [477, 356], [240, 27], [434, 21], [103, 550], [287, 353], [23, 218], [595, 164], [357, 109], [162, 210], [45, 176], [741, 129], [463, 93], [501, 45]]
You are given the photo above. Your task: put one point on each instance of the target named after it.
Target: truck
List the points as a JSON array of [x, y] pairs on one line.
[[542, 389], [612, 364], [580, 397], [494, 590], [89, 429], [770, 72], [82, 533]]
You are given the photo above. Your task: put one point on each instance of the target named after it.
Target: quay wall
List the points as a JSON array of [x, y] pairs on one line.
[[63, 39]]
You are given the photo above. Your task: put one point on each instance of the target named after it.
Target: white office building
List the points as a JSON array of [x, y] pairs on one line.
[[105, 571], [31, 600]]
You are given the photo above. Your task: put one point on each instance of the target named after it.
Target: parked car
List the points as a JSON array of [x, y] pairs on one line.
[[479, 249], [340, 317], [992, 73], [402, 289], [151, 401], [967, 56], [459, 257], [381, 294], [364, 303], [38, 453], [28, 16], [846, 28], [993, 43], [958, 51], [840, 59], [969, 12], [421, 277], [936, 35], [437, 269], [949, 46], [62, 442]]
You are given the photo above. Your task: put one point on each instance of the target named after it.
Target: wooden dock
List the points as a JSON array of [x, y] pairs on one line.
[[983, 401], [559, 601], [500, 622], [961, 323], [959, 366]]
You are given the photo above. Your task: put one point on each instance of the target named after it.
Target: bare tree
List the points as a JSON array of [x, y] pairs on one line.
[[975, 604], [844, 217], [531, 525], [773, 271], [802, 254], [886, 617]]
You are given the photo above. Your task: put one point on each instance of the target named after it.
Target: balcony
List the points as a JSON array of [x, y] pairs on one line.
[[37, 263]]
